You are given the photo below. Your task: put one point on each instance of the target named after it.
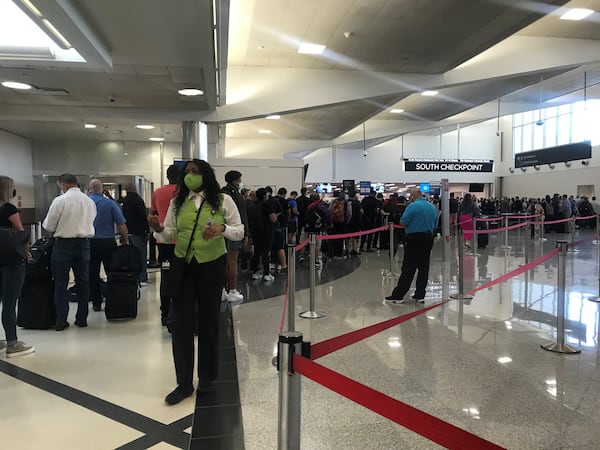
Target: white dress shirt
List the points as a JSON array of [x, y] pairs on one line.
[[71, 215], [234, 228]]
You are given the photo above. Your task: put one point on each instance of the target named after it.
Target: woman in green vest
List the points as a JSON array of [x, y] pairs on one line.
[[204, 274]]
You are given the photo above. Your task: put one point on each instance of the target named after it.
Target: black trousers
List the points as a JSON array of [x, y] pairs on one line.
[[165, 253], [101, 250], [200, 303], [417, 250], [262, 241]]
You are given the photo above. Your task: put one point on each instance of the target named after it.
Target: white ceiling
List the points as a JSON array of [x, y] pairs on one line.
[[141, 52]]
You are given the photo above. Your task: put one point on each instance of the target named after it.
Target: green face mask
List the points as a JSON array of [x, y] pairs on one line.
[[193, 181]]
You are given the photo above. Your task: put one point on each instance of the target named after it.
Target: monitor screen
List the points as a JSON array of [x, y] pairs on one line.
[[435, 190], [324, 188], [378, 187], [476, 187], [425, 188]]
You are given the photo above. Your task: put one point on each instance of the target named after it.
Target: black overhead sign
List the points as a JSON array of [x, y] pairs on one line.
[[449, 165], [562, 153]]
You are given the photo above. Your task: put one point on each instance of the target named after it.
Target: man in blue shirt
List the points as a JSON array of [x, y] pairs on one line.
[[103, 244], [420, 219]]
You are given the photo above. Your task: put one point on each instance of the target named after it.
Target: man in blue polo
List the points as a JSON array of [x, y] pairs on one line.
[[420, 219]]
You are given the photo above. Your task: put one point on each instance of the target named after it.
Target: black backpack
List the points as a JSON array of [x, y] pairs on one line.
[[317, 219]]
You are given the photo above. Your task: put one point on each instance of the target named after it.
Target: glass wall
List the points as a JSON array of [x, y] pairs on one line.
[[564, 124]]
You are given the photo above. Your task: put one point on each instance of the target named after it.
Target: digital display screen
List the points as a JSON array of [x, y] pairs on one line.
[[365, 187], [425, 188], [324, 188]]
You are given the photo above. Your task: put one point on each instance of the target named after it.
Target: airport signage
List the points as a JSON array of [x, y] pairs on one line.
[[562, 153], [449, 165], [365, 187]]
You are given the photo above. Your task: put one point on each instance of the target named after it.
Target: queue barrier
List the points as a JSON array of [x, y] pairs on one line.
[[298, 358]]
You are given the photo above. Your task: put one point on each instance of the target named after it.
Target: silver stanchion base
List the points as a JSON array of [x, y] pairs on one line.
[[461, 297], [505, 247], [312, 315], [594, 299], [573, 250], [275, 361], [560, 348]]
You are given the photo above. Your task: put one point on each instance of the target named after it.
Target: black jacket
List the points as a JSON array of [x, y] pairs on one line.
[[135, 214], [233, 191]]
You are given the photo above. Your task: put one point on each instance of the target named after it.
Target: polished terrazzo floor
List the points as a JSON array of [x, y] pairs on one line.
[[477, 365]]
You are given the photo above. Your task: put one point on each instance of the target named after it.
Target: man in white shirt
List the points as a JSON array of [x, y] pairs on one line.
[[71, 220]]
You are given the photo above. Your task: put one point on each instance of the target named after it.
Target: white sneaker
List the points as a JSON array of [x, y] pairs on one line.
[[224, 295], [2, 345], [235, 296], [20, 348], [268, 277], [256, 276], [272, 267]]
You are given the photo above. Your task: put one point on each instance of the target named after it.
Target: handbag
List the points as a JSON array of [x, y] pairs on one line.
[[172, 271], [13, 245]]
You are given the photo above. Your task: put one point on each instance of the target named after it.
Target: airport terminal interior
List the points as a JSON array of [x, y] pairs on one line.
[[492, 100]]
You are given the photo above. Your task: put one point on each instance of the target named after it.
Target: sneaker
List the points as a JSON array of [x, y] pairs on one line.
[[256, 276], [234, 296], [418, 299], [393, 301], [18, 349], [2, 345], [282, 270], [269, 277], [272, 267], [224, 295]]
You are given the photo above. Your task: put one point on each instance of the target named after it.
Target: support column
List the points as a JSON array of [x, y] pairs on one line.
[[190, 146]]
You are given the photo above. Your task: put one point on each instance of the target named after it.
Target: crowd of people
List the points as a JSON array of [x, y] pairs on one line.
[[205, 232]]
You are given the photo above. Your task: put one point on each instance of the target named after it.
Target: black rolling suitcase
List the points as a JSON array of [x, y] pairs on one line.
[[482, 239], [122, 295], [123, 287], [36, 303]]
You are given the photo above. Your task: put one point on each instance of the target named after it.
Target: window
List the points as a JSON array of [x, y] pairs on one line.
[[564, 124]]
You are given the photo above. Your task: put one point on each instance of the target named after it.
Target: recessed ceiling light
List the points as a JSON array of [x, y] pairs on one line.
[[273, 117], [264, 131], [576, 14], [396, 111], [504, 360], [156, 139], [90, 125], [145, 127], [16, 85], [311, 49], [429, 93], [190, 92]]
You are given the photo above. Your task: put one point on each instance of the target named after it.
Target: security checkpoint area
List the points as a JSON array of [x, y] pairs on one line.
[[502, 354]]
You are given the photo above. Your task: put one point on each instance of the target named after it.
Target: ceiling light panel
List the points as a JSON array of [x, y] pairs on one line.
[[190, 92], [273, 117], [90, 125], [16, 85], [157, 139], [264, 131], [576, 14], [145, 127], [396, 111], [311, 49], [429, 93]]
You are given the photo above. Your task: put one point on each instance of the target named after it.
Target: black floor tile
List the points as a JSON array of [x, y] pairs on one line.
[[227, 371], [217, 421], [229, 442], [225, 393], [227, 354]]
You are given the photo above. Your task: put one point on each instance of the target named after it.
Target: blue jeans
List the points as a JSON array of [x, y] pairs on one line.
[[142, 245], [11, 282], [70, 254]]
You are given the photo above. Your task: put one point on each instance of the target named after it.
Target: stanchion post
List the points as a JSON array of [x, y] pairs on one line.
[[541, 228], [559, 346], [32, 234], [38, 235], [392, 247], [461, 272], [288, 429], [572, 248], [474, 236], [505, 246], [312, 313], [291, 307]]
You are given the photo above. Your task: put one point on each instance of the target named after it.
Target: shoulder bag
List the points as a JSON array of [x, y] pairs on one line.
[[172, 271], [13, 244]]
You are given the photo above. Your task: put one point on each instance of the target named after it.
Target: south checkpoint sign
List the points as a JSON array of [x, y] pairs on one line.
[[448, 165]]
